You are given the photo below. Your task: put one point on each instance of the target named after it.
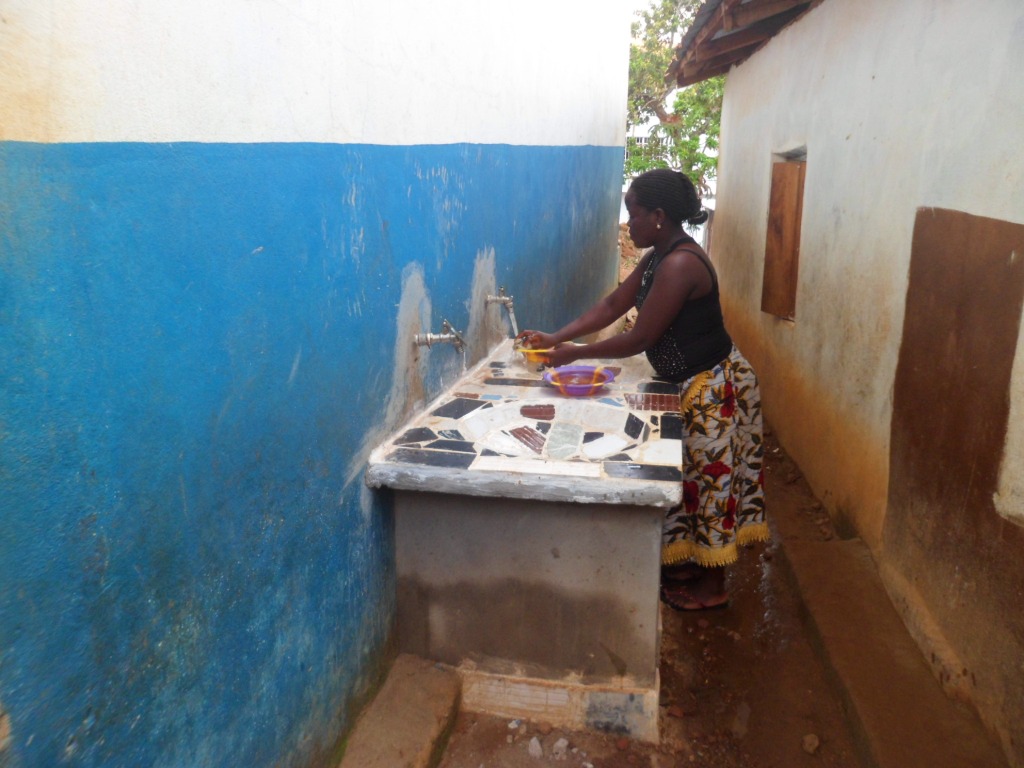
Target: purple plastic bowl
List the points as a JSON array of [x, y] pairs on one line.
[[578, 380]]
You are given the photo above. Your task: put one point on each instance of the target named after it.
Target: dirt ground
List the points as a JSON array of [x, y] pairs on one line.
[[742, 687]]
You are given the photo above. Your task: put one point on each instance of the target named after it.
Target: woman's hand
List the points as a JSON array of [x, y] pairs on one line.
[[535, 340], [563, 354]]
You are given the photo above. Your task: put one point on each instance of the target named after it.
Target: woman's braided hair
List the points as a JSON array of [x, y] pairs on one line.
[[671, 191]]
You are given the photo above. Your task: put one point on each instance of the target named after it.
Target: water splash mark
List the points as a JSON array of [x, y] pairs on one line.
[[295, 367], [486, 323], [408, 371]]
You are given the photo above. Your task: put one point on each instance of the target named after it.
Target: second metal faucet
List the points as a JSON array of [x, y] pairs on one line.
[[448, 335], [504, 298]]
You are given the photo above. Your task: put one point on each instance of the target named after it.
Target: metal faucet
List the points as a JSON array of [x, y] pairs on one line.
[[504, 298], [448, 335]]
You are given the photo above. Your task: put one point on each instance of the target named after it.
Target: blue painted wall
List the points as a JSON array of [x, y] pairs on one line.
[[194, 341]]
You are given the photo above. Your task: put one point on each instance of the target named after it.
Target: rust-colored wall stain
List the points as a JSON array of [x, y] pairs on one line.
[[30, 79], [950, 411]]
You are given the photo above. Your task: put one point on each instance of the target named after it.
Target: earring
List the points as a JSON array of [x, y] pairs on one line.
[[659, 226]]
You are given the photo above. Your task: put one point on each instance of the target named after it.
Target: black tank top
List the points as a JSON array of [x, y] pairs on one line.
[[696, 339]]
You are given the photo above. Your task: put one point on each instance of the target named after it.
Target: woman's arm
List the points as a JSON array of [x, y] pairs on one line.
[[598, 317], [679, 276]]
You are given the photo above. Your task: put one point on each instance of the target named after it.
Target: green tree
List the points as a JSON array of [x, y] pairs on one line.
[[685, 136]]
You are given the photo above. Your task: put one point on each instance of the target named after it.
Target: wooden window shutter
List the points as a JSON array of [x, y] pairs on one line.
[[782, 249]]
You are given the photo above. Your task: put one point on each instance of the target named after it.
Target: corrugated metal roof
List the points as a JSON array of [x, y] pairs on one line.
[[726, 32]]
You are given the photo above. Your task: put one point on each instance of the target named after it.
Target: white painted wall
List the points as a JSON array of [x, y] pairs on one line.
[[389, 72], [916, 113]]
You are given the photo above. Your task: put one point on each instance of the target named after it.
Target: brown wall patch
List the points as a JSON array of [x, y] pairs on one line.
[[950, 410]]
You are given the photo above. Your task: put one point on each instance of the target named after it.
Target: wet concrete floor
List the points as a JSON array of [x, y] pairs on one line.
[[743, 687]]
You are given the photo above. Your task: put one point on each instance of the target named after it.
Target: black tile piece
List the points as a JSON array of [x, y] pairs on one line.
[[589, 437], [462, 446], [450, 434], [654, 419], [458, 407], [417, 435], [659, 387], [672, 426], [620, 457], [432, 458], [542, 427], [516, 382], [634, 426], [643, 471]]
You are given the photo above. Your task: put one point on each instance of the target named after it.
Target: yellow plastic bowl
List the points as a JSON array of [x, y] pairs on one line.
[[535, 355]]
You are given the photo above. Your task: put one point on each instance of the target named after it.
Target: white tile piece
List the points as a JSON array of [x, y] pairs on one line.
[[503, 443], [478, 423], [604, 447], [668, 452]]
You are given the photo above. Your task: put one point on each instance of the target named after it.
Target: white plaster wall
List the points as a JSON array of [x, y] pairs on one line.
[[900, 105], [534, 72]]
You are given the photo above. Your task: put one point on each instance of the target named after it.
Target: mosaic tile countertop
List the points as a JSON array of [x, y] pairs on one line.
[[501, 430]]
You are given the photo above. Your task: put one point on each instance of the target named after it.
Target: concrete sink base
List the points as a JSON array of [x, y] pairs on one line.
[[548, 609]]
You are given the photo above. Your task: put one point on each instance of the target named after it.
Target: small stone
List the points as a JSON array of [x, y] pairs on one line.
[[810, 743], [535, 749], [560, 750], [739, 723], [514, 725], [622, 744], [510, 738]]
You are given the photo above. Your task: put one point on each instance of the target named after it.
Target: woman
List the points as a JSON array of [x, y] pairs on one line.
[[679, 326]]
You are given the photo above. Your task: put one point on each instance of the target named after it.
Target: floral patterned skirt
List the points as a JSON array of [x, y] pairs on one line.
[[723, 482]]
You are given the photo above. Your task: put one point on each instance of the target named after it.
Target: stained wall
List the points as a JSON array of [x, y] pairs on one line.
[[221, 225], [908, 114]]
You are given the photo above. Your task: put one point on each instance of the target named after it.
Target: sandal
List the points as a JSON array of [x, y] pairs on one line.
[[681, 574], [678, 597]]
